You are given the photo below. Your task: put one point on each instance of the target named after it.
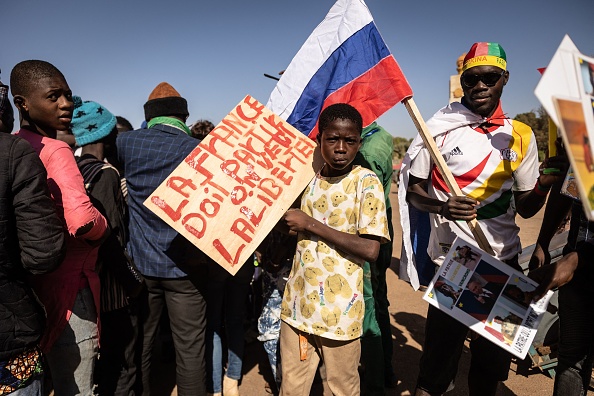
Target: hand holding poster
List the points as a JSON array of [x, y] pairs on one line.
[[233, 188], [488, 296]]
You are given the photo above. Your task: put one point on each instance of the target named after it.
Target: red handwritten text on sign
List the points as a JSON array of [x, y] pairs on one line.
[[233, 187]]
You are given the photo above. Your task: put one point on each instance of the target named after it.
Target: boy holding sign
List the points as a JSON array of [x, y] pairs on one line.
[[340, 225]]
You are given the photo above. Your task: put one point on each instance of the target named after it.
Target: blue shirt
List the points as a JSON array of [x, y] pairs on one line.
[[148, 156]]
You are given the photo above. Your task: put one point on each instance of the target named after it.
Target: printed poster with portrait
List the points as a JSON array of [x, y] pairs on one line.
[[576, 124], [488, 296], [233, 188], [579, 182], [566, 91]]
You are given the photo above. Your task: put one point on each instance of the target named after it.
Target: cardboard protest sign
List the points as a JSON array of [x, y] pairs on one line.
[[488, 296], [233, 188]]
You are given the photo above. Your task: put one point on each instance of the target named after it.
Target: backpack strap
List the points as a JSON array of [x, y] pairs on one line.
[[90, 167]]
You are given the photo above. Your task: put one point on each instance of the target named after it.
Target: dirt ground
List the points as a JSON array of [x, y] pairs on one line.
[[407, 311]]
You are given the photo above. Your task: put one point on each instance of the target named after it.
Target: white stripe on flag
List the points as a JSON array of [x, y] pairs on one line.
[[344, 19]]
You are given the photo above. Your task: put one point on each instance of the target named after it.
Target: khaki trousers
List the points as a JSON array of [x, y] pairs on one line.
[[341, 360]]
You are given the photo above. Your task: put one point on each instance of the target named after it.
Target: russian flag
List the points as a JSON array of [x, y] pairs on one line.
[[344, 60]]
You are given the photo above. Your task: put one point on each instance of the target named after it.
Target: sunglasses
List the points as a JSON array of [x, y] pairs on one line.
[[489, 79]]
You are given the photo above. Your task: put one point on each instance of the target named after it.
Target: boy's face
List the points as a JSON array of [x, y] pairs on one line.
[[49, 105], [339, 144]]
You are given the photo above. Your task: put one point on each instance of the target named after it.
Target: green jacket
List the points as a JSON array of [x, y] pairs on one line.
[[376, 154]]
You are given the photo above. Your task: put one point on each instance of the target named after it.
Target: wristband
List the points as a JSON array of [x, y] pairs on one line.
[[548, 171], [540, 190]]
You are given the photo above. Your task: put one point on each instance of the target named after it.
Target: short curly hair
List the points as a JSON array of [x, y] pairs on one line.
[[339, 111], [201, 128], [26, 74]]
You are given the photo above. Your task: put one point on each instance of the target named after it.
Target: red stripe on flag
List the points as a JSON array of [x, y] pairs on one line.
[[372, 93]]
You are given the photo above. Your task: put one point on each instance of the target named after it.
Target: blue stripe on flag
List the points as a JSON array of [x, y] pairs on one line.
[[359, 53]]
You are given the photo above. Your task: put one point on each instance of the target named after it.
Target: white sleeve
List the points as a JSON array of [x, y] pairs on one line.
[[527, 173], [421, 165]]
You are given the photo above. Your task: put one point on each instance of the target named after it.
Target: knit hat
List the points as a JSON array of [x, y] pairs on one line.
[[485, 54], [90, 122], [165, 101]]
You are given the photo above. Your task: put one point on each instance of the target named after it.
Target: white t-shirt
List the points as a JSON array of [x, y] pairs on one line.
[[488, 167]]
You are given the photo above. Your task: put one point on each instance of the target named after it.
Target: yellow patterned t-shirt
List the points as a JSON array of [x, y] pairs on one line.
[[324, 293]]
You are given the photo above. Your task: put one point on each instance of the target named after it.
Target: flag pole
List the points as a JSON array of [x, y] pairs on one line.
[[473, 224]]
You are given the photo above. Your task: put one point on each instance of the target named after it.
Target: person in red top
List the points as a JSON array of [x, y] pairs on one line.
[[70, 294]]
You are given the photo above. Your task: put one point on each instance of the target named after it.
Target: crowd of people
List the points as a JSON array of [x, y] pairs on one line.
[[89, 275]]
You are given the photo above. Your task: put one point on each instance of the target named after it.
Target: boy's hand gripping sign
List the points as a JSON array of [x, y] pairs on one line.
[[233, 188]]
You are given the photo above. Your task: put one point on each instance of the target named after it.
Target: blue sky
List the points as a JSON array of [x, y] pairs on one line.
[[216, 52]]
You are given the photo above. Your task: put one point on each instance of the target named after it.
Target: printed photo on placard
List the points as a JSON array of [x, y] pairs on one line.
[[503, 324], [482, 291], [516, 294], [445, 292], [467, 256], [576, 140]]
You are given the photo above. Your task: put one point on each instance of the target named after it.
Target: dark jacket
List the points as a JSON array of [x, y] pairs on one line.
[[148, 157], [116, 270], [31, 242]]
